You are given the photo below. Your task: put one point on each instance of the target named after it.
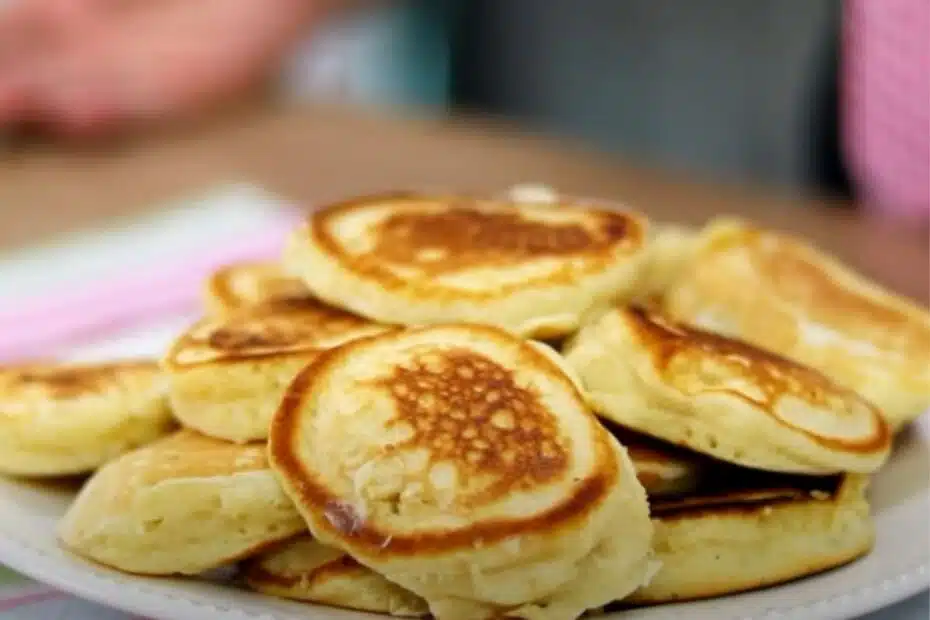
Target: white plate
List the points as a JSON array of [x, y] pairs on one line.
[[898, 567]]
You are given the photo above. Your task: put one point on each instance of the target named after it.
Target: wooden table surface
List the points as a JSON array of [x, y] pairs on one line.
[[316, 154]]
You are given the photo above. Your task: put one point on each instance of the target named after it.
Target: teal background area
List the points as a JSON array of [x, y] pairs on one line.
[[409, 55]]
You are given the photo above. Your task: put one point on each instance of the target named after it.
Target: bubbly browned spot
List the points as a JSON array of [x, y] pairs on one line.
[[462, 237], [67, 381], [469, 410]]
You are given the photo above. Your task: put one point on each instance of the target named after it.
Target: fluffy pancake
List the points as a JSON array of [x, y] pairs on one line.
[[669, 251], [533, 268], [249, 284], [742, 539], [60, 419], [784, 295], [305, 570], [182, 505], [664, 470], [723, 397], [462, 463], [227, 373]]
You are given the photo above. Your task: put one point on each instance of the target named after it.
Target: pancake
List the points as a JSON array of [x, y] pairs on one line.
[[304, 570], [182, 505], [462, 463], [250, 284], [669, 251], [782, 294], [724, 398], [533, 268], [664, 470], [227, 374], [743, 539], [59, 419]]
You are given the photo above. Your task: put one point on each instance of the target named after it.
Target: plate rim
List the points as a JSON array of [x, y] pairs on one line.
[[96, 585]]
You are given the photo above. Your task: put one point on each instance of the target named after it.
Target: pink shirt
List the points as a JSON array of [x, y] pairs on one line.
[[885, 102]]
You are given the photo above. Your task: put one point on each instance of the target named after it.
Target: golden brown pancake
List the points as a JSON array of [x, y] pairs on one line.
[[462, 463], [756, 533], [182, 505], [61, 419], [228, 373], [784, 295], [533, 268], [250, 284], [724, 398], [305, 570]]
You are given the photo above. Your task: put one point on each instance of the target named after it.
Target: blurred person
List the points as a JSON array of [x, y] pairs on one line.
[[82, 66], [726, 87]]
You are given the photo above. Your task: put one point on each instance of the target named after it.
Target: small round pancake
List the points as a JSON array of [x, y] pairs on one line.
[[786, 296], [182, 505], [462, 463], [664, 470], [59, 419], [750, 538], [724, 398], [305, 570], [532, 268], [227, 374], [244, 285]]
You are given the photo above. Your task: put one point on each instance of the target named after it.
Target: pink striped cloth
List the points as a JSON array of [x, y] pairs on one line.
[[885, 84], [87, 311]]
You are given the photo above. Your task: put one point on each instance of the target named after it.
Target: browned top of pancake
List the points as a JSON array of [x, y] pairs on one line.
[[281, 327], [62, 381], [819, 288], [251, 283], [467, 409], [464, 408], [434, 235], [698, 361]]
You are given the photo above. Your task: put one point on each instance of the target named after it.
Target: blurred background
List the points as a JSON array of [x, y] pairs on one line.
[[726, 89], [806, 96]]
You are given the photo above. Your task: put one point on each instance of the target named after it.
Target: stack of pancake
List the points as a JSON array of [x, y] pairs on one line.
[[481, 408]]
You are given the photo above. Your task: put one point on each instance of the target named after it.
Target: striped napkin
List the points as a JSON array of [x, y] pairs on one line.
[[101, 293]]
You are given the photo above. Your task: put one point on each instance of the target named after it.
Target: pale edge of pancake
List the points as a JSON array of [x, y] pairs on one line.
[[76, 435]]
